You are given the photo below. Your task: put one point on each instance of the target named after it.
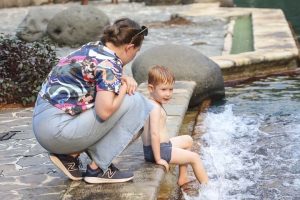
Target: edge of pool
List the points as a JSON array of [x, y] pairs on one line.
[[275, 49]]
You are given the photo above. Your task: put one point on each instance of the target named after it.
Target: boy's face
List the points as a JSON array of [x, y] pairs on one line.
[[161, 93]]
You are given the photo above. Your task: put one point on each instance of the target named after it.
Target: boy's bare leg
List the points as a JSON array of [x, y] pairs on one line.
[[183, 176], [184, 157], [183, 142]]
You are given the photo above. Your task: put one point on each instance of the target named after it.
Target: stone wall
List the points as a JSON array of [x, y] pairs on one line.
[[23, 3]]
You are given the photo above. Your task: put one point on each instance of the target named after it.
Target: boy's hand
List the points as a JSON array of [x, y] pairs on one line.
[[131, 84], [163, 163]]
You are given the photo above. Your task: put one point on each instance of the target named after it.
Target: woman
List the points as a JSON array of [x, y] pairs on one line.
[[87, 105]]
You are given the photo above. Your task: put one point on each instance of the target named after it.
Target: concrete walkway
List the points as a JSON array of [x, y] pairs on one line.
[[27, 173]]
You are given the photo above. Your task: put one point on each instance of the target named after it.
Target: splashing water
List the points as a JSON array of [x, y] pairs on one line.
[[226, 153], [251, 145]]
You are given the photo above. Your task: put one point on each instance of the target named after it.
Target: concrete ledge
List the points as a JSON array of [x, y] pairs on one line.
[[148, 177], [254, 64], [275, 49]]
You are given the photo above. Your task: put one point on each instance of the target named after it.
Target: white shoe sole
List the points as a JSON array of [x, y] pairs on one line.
[[61, 166], [105, 180]]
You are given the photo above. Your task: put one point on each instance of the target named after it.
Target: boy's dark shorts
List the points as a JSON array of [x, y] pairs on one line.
[[165, 152]]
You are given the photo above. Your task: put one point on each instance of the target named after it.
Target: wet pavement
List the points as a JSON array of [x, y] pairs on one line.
[[26, 172]]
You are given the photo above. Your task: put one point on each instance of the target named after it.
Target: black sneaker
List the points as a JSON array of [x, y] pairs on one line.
[[68, 164], [112, 175]]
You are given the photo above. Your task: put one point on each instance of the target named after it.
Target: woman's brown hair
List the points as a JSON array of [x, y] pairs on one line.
[[123, 31]]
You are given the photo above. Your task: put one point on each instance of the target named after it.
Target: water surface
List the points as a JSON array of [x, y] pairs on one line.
[[251, 142]]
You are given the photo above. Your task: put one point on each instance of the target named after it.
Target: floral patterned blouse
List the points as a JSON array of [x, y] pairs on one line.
[[72, 84]]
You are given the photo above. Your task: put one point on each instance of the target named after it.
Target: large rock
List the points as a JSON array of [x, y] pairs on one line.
[[77, 25], [34, 25], [187, 64]]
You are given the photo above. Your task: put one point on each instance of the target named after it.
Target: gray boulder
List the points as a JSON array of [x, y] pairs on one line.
[[187, 64], [34, 25], [77, 25]]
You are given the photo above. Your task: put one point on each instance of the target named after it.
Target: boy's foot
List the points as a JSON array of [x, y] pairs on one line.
[[190, 182], [112, 175], [184, 181], [68, 164], [191, 188]]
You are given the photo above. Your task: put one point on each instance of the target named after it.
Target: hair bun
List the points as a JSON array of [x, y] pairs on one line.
[[121, 32], [116, 30], [111, 31]]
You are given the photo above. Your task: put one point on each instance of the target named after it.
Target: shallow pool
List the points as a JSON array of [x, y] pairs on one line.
[[251, 142]]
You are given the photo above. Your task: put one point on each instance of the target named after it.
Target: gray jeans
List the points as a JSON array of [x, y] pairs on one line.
[[61, 133]]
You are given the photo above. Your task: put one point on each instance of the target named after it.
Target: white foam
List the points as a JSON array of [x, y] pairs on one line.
[[227, 155]]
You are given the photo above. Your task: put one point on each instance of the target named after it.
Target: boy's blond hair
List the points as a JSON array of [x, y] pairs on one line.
[[160, 75]]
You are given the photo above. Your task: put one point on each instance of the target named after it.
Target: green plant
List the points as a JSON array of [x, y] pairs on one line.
[[23, 68]]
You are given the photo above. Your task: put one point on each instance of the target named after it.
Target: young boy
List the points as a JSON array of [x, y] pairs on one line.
[[158, 147]]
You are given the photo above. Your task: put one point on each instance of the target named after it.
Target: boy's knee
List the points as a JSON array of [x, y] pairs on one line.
[[189, 140]]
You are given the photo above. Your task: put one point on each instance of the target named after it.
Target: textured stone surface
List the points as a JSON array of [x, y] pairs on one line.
[[77, 25], [187, 64]]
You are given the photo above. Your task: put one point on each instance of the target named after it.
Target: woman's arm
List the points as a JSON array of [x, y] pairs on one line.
[[108, 102]]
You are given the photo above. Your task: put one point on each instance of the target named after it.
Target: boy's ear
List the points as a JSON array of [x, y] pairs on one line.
[[150, 88]]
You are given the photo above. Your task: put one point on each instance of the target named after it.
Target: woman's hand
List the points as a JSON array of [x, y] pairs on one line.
[[124, 87], [131, 84], [163, 163]]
